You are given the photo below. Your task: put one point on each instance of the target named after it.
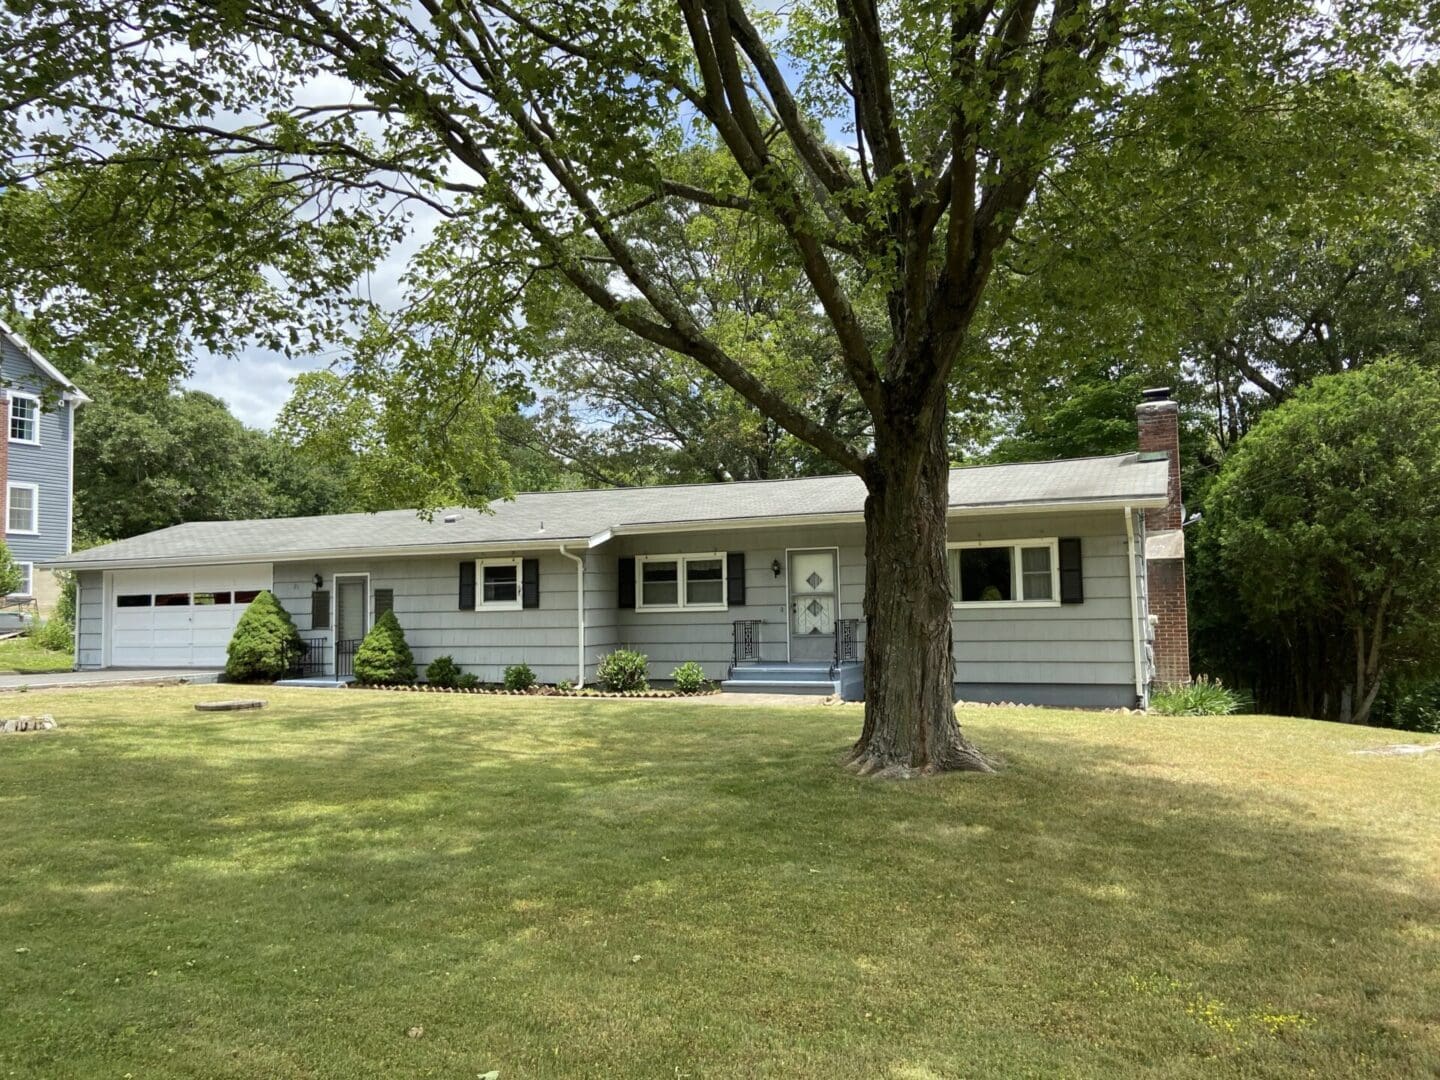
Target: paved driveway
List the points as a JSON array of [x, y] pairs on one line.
[[112, 677]]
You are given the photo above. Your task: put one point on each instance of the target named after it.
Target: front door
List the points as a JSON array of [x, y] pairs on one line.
[[813, 605], [351, 621]]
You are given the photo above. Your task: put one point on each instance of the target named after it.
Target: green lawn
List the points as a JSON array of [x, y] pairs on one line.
[[21, 656], [671, 889]]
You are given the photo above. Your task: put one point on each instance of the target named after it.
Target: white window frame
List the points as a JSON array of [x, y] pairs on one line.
[[34, 490], [680, 562], [28, 589], [1017, 574], [20, 395], [481, 604]]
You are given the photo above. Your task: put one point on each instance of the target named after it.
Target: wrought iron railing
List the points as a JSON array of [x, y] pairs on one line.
[[746, 634], [847, 641], [312, 660], [345, 658]]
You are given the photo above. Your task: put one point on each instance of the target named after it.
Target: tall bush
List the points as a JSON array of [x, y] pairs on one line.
[[623, 670], [264, 644], [384, 659]]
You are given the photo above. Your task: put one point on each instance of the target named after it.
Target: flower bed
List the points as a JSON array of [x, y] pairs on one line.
[[536, 691]]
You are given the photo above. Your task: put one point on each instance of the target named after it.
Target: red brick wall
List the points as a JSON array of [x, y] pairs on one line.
[[1172, 626], [1159, 424]]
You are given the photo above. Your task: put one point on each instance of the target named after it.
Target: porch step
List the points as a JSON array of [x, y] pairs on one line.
[[781, 672], [817, 688]]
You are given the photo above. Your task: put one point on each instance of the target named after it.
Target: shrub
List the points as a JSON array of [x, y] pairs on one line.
[[689, 678], [264, 644], [469, 681], [1202, 697], [10, 575], [623, 670], [519, 677], [443, 672], [1409, 706], [565, 686], [54, 634], [383, 658]]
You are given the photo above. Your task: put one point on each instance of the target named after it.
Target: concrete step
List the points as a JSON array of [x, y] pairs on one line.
[[821, 688], [772, 672]]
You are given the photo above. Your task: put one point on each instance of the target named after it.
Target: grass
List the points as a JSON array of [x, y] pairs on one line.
[[21, 656], [593, 888]]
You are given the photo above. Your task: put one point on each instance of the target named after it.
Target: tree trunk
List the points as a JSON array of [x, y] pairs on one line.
[[910, 727]]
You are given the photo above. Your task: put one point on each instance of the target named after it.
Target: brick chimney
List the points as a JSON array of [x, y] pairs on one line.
[[1158, 419]]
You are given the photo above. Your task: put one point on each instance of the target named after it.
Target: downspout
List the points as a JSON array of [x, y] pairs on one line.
[[1139, 653], [579, 561]]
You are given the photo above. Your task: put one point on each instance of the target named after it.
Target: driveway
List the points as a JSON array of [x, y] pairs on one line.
[[113, 677]]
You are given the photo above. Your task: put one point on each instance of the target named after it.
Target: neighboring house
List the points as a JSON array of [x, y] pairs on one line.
[[37, 457], [761, 582]]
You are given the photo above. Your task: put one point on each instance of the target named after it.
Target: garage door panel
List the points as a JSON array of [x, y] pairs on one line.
[[179, 635]]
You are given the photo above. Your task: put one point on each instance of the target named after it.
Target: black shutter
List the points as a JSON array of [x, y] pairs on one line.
[[320, 609], [384, 601], [467, 585], [626, 598], [529, 582], [1072, 579], [735, 572]]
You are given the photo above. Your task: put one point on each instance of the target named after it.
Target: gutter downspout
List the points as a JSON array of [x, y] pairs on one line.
[[579, 561], [1134, 610]]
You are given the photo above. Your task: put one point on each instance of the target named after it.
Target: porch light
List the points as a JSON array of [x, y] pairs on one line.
[[319, 582], [775, 567]]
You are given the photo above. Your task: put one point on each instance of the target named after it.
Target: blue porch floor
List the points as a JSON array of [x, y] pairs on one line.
[[846, 681]]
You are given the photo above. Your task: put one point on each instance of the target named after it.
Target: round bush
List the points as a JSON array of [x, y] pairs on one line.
[[383, 658], [623, 670], [265, 642], [519, 677], [443, 672], [689, 678], [54, 634]]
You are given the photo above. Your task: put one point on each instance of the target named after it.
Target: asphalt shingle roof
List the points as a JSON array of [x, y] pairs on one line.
[[552, 517]]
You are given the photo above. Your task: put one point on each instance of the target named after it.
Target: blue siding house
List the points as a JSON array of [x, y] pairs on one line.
[[37, 460]]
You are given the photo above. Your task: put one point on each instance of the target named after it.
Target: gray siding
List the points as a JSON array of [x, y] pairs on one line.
[[1087, 644], [89, 619], [47, 465], [427, 607], [670, 638], [602, 618]]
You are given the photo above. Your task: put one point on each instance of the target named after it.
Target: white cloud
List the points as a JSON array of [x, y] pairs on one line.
[[255, 385]]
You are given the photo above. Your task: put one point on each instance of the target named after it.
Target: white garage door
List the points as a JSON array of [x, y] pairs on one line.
[[179, 618]]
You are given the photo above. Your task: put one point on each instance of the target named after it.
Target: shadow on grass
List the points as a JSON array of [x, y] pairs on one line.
[[629, 890]]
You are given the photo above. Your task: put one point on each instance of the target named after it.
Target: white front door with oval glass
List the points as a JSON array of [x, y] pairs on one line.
[[814, 605]]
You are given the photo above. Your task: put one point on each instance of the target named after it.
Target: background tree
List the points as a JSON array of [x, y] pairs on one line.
[[1323, 522], [146, 459], [533, 130]]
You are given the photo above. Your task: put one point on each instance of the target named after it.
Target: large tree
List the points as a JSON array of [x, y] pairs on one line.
[[1322, 528], [532, 129]]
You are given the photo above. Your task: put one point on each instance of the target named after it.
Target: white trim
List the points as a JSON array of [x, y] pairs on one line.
[[1130, 574], [335, 608], [107, 586], [34, 490], [12, 396], [579, 614], [481, 604], [785, 604], [1017, 574], [70, 481], [29, 580], [41, 363], [681, 561]]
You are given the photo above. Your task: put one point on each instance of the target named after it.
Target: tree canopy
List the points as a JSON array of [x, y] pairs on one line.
[[1324, 523]]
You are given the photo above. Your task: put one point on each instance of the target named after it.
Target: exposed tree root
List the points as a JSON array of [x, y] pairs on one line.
[[879, 766]]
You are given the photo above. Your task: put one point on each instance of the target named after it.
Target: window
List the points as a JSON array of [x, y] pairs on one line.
[[172, 599], [133, 600], [320, 609], [23, 509], [220, 598], [681, 581], [1014, 572], [24, 418], [499, 584], [244, 596], [27, 579], [384, 601], [203, 599]]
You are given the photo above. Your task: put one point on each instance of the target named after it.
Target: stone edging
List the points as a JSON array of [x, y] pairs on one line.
[[543, 691]]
